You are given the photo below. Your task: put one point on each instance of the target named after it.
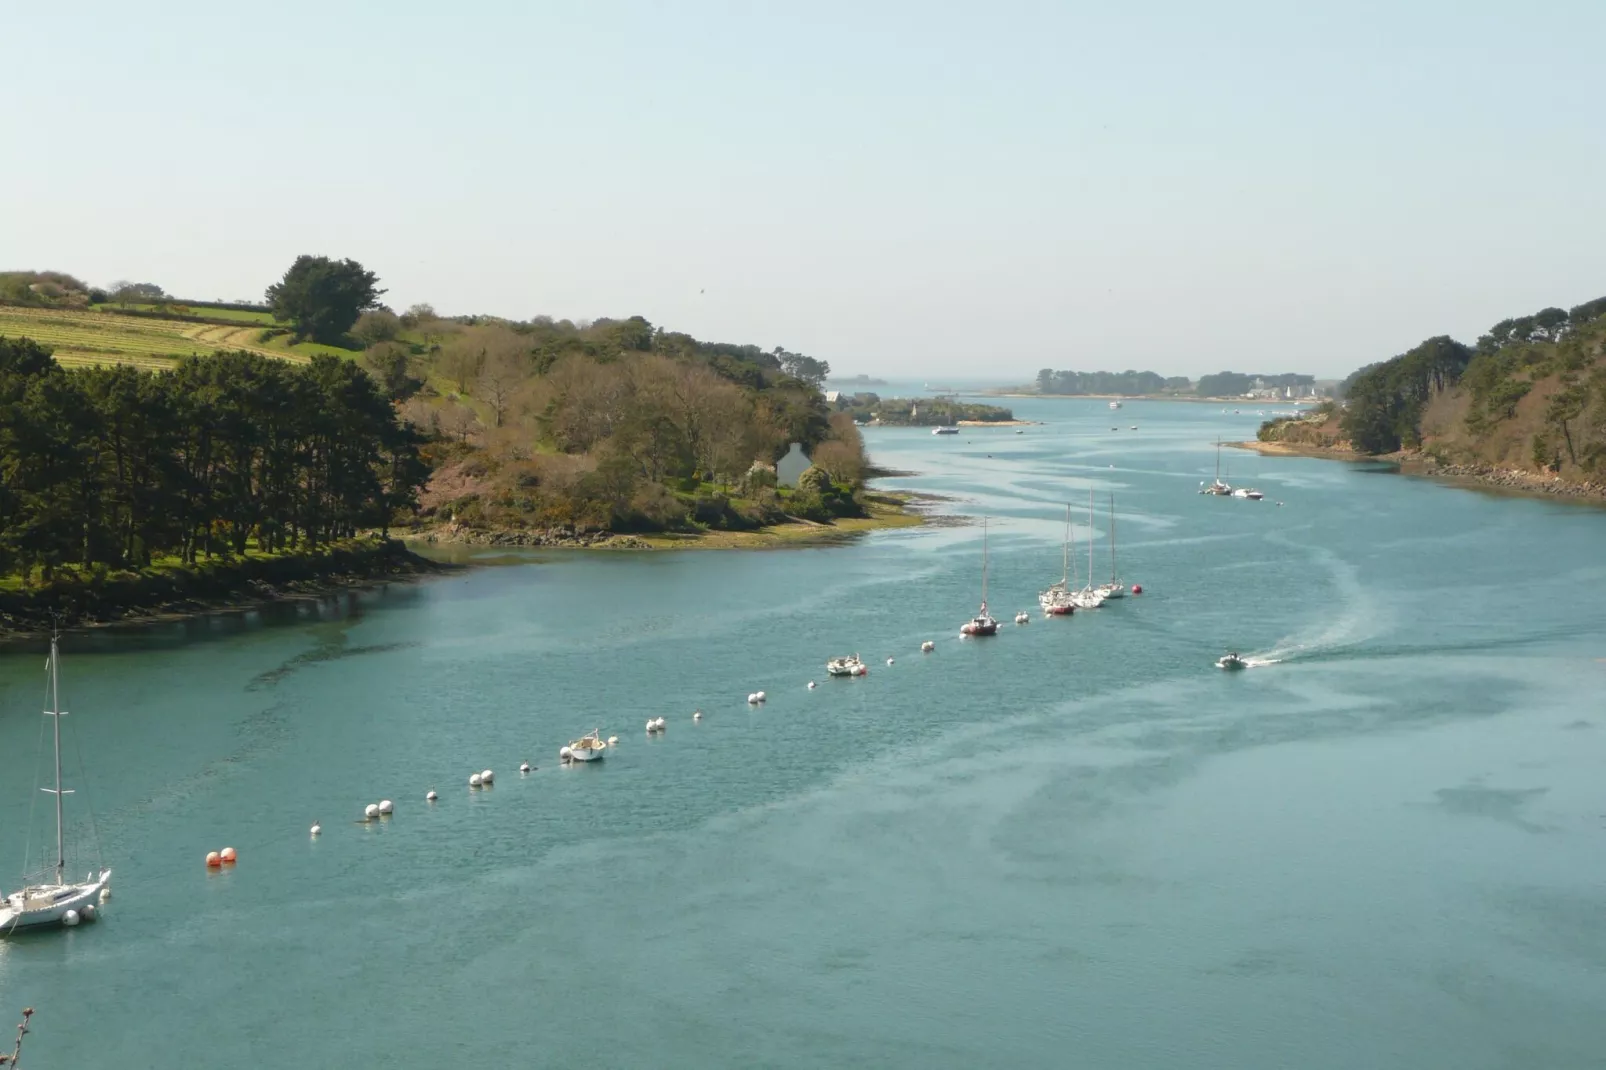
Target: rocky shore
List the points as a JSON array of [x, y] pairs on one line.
[[1512, 479]]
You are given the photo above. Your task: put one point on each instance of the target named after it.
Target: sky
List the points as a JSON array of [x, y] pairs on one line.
[[898, 188]]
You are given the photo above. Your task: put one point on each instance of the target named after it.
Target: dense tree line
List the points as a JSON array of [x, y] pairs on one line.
[[113, 467], [1050, 381], [1237, 384], [1384, 401]]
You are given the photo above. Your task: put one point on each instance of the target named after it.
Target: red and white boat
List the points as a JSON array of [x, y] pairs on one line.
[[1057, 601]]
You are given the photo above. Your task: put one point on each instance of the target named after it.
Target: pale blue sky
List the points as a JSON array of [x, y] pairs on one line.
[[894, 187]]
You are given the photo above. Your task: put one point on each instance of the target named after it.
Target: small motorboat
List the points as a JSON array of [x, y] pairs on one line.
[[1231, 662], [588, 748], [946, 430], [850, 665]]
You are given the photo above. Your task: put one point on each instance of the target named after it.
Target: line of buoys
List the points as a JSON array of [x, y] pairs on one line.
[[756, 697], [656, 724], [1023, 618]]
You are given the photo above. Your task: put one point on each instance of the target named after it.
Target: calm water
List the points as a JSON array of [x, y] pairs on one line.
[[1076, 844]]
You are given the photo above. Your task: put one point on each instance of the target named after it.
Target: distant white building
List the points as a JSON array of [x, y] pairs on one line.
[[794, 464], [833, 396]]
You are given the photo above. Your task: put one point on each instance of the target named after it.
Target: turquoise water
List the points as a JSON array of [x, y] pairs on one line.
[[1075, 844]]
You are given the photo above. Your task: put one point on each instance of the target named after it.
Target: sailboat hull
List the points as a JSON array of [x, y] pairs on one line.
[[42, 906], [980, 627]]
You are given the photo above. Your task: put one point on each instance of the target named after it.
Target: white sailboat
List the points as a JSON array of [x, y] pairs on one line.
[[1218, 488], [982, 623], [51, 899], [1057, 601], [1115, 588], [1089, 597]]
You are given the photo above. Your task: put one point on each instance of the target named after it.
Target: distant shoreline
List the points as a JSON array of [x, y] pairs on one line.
[[1239, 402], [1481, 477]]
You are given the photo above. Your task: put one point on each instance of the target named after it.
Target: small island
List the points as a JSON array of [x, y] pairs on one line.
[[939, 411]]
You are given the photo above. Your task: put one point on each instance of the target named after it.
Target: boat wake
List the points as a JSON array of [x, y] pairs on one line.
[[1356, 617]]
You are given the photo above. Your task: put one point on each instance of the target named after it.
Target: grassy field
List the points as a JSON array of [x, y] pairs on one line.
[[264, 319], [103, 337]]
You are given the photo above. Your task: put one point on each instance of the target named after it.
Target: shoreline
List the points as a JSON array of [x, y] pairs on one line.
[[1240, 402], [1481, 477], [218, 586], [887, 510]]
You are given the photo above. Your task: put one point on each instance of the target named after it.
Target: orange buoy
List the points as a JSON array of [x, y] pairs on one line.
[[213, 859], [227, 855]]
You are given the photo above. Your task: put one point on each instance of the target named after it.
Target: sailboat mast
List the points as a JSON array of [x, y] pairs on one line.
[[1090, 538], [984, 563], [1113, 571], [55, 714], [1065, 548]]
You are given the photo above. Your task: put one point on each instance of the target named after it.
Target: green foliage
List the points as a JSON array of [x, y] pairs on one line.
[[1237, 384], [116, 467], [814, 479], [43, 289], [1050, 381], [378, 325], [919, 412], [322, 298], [1385, 400]]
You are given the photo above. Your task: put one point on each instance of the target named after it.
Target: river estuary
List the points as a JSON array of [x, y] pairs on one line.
[[1075, 844]]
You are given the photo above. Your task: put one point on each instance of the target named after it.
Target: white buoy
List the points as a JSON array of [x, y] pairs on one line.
[[752, 699], [487, 776], [697, 715], [105, 893], [889, 661], [1023, 618], [524, 767], [370, 811], [473, 780], [927, 647], [660, 723], [612, 740], [762, 696], [316, 828], [564, 754], [386, 806], [811, 685], [431, 797], [88, 912], [70, 918]]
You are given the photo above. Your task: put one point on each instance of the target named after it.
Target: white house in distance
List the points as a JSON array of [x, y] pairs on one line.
[[788, 468]]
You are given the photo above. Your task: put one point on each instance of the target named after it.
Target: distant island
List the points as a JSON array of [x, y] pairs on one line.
[[940, 411], [1525, 407], [1282, 386], [857, 380]]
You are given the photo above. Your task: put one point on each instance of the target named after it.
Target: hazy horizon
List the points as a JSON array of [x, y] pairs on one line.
[[903, 190]]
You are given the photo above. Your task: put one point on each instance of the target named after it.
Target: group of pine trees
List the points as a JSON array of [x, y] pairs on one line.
[[113, 468]]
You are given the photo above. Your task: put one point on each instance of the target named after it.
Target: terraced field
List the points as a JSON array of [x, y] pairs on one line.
[[90, 337]]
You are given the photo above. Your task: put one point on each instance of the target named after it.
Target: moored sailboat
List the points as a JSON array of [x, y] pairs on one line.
[[51, 899], [982, 623], [1217, 488], [1115, 588], [1056, 600]]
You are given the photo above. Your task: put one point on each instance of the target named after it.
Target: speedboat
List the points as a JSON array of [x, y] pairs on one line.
[[850, 665], [588, 748], [1231, 662], [945, 430]]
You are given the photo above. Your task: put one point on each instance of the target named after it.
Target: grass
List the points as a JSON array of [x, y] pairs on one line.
[[886, 511], [264, 319], [83, 337]]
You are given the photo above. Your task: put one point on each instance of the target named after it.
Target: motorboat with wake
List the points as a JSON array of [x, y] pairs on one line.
[[49, 898], [983, 622], [1232, 662], [851, 665]]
